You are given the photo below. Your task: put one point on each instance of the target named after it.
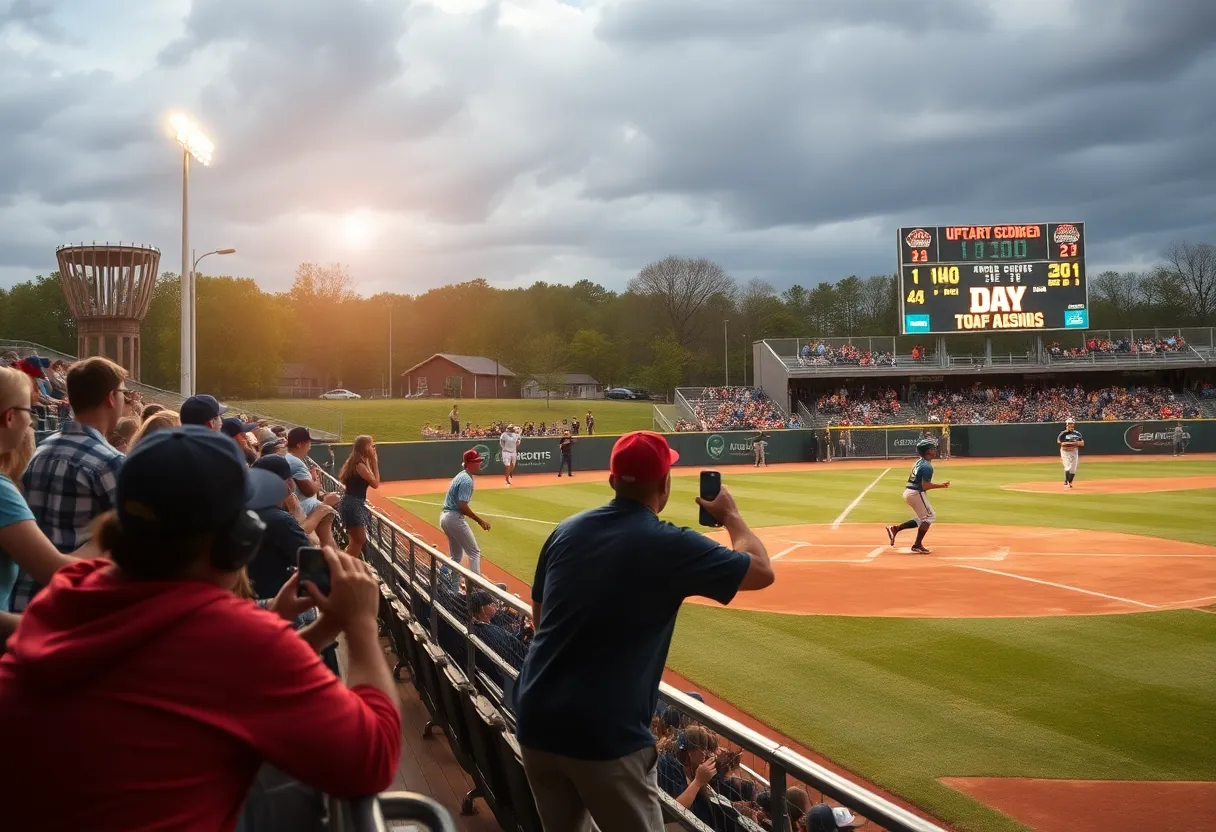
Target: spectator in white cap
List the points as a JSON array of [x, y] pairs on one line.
[[825, 818]]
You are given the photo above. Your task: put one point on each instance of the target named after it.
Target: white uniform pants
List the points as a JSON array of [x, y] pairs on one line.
[[758, 450], [1070, 458], [919, 503], [460, 539]]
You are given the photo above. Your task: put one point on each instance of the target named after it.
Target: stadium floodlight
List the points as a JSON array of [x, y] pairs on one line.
[[191, 137], [194, 142]]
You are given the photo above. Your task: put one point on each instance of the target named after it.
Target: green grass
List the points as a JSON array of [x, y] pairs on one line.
[[401, 420], [903, 702]]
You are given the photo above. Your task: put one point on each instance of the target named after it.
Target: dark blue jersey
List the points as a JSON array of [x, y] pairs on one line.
[[1069, 436], [922, 472]]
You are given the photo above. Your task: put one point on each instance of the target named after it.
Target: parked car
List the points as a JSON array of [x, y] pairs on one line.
[[340, 394], [624, 393]]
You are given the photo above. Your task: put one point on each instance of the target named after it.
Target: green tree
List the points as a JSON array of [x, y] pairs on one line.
[[666, 369], [240, 336], [37, 311], [592, 352]]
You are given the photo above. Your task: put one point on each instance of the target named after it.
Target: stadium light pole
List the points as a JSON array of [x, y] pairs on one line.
[[194, 308], [726, 354], [194, 143]]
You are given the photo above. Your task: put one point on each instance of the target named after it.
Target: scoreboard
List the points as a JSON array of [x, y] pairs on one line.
[[992, 278]]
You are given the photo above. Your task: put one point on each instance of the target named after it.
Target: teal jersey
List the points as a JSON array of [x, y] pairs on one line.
[[922, 472]]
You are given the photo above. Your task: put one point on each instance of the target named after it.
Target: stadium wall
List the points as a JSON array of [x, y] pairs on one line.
[[442, 458]]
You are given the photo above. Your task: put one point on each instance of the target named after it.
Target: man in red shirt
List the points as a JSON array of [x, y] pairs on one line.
[[140, 693]]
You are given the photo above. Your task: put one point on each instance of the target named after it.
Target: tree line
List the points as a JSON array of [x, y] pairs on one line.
[[679, 321]]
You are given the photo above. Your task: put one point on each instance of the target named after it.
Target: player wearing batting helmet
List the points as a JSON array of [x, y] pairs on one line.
[[919, 481]]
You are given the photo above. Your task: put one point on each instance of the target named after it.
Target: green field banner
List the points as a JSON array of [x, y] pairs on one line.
[[1139, 438], [442, 458]]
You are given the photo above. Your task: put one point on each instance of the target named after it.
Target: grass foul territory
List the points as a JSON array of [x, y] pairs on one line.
[[903, 701], [401, 420]]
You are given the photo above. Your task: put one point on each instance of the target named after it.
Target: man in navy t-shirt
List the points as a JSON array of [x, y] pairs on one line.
[[608, 586]]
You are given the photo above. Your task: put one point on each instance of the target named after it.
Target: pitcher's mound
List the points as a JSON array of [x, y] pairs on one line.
[[1141, 485]]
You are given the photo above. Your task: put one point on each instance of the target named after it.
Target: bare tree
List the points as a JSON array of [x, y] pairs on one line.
[[1194, 266], [682, 286], [1121, 292], [877, 300], [332, 283]]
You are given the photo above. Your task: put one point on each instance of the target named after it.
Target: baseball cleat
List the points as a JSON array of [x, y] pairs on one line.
[[920, 550], [891, 534]]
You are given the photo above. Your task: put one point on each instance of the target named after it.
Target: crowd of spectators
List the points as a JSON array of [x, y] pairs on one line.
[[1034, 403], [1207, 390], [735, 408], [820, 353], [148, 586], [1101, 345], [861, 407], [468, 430]]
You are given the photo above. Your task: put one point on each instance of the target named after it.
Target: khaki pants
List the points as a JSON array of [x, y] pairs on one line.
[[619, 795]]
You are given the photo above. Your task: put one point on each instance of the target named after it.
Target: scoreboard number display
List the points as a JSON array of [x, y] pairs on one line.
[[992, 278]]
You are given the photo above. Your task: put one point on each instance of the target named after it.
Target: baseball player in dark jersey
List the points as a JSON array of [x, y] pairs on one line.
[[919, 481], [1071, 443]]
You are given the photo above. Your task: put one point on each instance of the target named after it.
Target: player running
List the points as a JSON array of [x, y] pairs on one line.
[[919, 481], [1071, 443], [508, 444]]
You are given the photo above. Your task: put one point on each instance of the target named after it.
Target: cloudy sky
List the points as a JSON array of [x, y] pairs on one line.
[[431, 141]]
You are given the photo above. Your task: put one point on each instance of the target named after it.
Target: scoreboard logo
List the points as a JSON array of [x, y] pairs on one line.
[[1076, 319], [920, 238], [1066, 233]]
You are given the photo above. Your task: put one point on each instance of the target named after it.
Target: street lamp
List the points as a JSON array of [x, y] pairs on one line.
[[193, 143], [194, 310]]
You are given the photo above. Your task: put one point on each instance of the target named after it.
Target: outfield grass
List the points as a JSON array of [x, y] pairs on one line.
[[401, 420], [905, 701]]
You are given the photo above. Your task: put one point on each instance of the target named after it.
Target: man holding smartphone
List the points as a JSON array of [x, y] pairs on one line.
[[592, 667]]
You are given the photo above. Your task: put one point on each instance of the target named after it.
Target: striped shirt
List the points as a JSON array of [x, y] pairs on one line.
[[71, 479]]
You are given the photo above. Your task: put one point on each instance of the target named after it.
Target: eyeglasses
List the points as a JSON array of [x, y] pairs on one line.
[[28, 410]]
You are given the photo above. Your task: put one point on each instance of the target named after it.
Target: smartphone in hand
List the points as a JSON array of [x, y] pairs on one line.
[[313, 567], [711, 485]]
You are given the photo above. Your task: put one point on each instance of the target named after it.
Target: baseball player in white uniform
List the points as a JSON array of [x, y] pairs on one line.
[[508, 444], [1071, 443]]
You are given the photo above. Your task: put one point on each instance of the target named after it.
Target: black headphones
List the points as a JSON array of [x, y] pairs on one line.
[[236, 546]]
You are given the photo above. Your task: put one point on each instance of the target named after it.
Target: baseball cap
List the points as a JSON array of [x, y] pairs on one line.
[[31, 367], [925, 444], [641, 456], [1070, 421], [234, 427], [479, 600], [471, 455], [201, 409], [298, 436], [276, 465], [189, 481], [272, 445], [825, 818]]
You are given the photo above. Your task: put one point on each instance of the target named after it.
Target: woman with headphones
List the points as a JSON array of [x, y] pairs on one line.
[[150, 661]]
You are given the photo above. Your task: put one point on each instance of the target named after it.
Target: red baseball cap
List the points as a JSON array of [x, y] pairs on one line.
[[641, 456], [471, 455]]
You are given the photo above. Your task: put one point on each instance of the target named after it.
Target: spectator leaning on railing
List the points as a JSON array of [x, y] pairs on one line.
[[608, 585], [153, 693], [72, 476]]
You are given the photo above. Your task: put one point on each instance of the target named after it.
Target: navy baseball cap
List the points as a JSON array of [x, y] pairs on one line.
[[234, 427], [201, 409], [190, 481], [276, 465], [924, 445], [272, 446]]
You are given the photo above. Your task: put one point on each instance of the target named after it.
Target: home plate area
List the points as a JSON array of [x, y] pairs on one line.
[[978, 571]]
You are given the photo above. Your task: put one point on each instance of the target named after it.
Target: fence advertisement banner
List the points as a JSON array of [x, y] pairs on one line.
[[442, 458], [1142, 438]]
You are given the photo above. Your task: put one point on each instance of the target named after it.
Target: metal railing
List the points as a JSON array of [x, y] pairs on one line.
[[380, 813], [422, 575], [661, 422]]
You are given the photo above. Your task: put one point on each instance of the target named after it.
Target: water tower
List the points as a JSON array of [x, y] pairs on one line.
[[109, 289]]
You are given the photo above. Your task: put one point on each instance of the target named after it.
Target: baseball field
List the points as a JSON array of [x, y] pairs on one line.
[[1053, 642]]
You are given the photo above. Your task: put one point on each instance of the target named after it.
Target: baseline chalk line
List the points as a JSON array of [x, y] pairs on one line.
[[1056, 585], [849, 508], [481, 513]]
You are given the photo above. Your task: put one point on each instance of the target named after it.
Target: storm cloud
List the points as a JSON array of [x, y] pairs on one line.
[[436, 141]]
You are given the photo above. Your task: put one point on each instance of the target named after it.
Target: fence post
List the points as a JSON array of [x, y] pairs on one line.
[[413, 571], [339, 425], [776, 791], [434, 599]]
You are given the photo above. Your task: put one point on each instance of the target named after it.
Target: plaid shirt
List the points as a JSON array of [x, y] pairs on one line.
[[72, 478]]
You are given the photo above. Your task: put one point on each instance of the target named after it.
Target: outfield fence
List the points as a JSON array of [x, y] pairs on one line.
[[466, 685], [539, 455]]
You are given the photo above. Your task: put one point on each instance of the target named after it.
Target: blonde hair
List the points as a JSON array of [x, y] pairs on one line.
[[163, 420], [13, 462], [358, 453], [16, 388]]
